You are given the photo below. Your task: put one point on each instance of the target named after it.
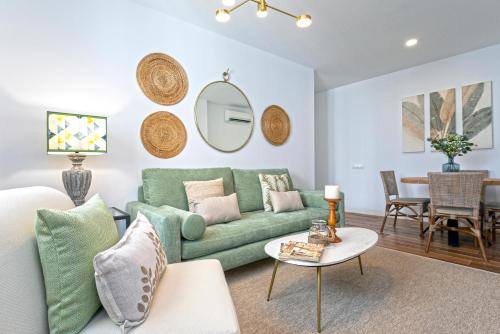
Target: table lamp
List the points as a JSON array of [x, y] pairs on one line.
[[76, 136]]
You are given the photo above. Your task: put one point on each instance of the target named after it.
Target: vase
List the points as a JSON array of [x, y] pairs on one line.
[[451, 166]]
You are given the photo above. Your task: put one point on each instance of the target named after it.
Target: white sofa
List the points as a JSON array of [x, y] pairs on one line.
[[193, 297]]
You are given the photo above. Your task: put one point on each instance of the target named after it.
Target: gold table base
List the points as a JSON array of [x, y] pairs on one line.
[[318, 289]]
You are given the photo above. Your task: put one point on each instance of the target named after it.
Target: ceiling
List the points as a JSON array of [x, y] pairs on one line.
[[353, 40]]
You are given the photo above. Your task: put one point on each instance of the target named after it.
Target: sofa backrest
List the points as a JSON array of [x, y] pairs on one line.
[[248, 189], [164, 186], [22, 296]]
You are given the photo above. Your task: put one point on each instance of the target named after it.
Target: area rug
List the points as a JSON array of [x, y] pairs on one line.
[[398, 293]]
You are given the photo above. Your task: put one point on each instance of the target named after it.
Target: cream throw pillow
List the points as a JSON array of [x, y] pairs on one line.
[[270, 183], [128, 273], [286, 201], [217, 210], [199, 190]]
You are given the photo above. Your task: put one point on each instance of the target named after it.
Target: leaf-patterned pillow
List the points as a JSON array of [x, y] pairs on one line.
[[128, 273], [270, 183]]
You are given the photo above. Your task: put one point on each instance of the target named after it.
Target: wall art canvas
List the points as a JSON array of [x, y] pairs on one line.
[[477, 114], [413, 124], [443, 113]]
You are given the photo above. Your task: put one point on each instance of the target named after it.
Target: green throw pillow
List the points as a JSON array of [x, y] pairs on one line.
[[67, 243]]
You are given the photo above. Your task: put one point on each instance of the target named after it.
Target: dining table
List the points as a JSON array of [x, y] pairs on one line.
[[452, 235]]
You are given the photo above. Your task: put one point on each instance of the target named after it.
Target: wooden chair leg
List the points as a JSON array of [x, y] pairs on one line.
[[387, 212], [396, 217], [493, 227], [477, 233], [481, 246], [431, 231], [421, 222]]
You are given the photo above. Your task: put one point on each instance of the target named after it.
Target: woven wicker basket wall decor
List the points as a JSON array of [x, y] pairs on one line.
[[162, 79], [163, 134], [275, 125]]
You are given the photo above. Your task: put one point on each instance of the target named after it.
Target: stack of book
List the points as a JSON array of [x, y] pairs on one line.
[[294, 250]]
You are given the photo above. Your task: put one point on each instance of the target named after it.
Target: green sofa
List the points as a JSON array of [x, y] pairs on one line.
[[185, 236]]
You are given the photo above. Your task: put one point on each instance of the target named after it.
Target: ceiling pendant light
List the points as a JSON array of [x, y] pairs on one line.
[[224, 15], [262, 9], [304, 21]]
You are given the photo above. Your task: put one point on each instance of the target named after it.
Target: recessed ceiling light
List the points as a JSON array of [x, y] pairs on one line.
[[411, 42], [228, 3]]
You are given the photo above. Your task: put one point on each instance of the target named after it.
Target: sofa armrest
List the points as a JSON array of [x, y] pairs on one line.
[[167, 225], [192, 225], [315, 199]]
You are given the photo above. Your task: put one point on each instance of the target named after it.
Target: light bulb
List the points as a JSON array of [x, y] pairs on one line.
[[228, 3], [304, 21], [262, 10], [262, 13], [222, 15], [411, 42]]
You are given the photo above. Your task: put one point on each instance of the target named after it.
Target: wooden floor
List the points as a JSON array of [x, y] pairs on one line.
[[405, 237]]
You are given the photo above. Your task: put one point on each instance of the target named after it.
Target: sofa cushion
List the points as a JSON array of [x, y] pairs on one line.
[[164, 186], [247, 186], [216, 210], [199, 190], [67, 243], [128, 274], [270, 183], [183, 304], [254, 226]]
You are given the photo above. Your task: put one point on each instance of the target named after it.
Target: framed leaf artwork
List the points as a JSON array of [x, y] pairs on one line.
[[443, 113], [477, 114], [413, 124]]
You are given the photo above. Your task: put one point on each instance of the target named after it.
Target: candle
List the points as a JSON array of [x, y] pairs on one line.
[[332, 192]]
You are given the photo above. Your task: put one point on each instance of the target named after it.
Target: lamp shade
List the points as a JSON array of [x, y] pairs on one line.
[[73, 133]]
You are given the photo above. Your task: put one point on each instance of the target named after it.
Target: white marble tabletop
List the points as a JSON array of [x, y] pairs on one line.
[[355, 242]]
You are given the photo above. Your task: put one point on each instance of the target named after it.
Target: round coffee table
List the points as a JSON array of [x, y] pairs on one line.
[[355, 242]]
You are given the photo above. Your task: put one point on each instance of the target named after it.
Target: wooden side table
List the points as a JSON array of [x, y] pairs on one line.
[[120, 215]]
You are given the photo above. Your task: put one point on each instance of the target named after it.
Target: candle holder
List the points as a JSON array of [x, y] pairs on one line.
[[332, 220]]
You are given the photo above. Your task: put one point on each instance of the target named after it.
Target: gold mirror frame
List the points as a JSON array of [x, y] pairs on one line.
[[249, 104]]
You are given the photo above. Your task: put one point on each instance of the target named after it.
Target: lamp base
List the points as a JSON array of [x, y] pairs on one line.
[[77, 180]]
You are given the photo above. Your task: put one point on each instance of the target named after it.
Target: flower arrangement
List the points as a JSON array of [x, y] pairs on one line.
[[452, 145]]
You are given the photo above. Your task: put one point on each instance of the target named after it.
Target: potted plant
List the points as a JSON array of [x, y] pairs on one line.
[[452, 145]]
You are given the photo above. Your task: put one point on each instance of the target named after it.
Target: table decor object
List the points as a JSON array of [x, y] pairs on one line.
[[275, 125], [318, 233], [163, 134], [452, 145], [332, 197], [303, 251], [162, 79], [76, 136]]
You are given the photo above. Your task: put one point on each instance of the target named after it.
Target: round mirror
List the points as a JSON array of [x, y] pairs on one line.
[[224, 116]]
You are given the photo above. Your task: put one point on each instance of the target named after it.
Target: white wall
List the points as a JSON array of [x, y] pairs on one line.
[[361, 124], [81, 56]]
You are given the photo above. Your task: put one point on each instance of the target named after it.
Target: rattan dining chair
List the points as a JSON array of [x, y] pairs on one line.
[[456, 196], [395, 204], [492, 215]]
